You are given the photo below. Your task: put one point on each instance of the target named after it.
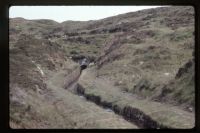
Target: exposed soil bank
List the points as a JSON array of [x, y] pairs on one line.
[[131, 114]]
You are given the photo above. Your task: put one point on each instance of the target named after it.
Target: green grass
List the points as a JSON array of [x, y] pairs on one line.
[[166, 114]]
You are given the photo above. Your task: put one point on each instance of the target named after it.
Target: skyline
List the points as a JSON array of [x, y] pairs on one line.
[[73, 13]]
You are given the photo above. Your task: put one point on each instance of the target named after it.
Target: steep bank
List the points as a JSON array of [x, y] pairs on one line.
[[142, 112]]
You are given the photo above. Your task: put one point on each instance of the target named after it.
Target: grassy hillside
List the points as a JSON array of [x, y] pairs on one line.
[[181, 89], [150, 56], [147, 53]]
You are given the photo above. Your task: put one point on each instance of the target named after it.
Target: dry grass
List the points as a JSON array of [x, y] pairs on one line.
[[158, 43], [164, 114], [156, 59], [58, 108]]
